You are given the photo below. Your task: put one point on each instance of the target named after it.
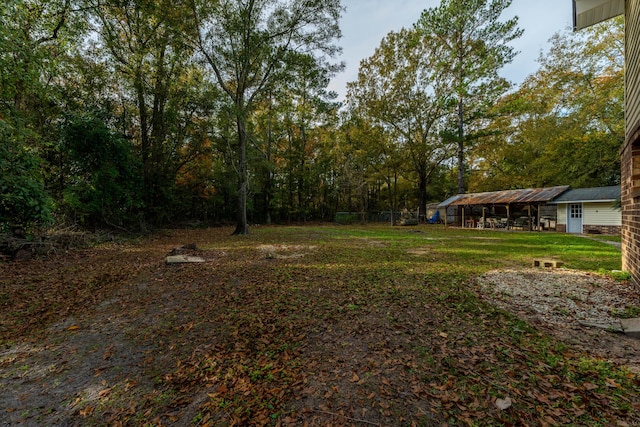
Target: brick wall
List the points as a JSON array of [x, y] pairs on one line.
[[601, 229], [630, 153], [630, 212]]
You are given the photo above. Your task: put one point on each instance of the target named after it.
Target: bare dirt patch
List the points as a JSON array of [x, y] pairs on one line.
[[285, 251], [563, 301]]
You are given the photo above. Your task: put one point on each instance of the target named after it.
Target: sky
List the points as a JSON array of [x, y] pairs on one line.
[[366, 22]]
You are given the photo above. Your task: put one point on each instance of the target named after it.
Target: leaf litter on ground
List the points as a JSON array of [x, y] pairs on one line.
[[341, 333]]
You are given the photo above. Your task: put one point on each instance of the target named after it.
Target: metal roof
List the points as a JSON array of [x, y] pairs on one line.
[[450, 200], [597, 194], [505, 197]]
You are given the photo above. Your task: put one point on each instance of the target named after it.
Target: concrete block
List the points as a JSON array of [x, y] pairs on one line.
[[183, 259], [552, 263], [631, 327]]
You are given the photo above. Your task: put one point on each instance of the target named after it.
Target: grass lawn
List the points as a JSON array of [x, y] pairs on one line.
[[324, 325]]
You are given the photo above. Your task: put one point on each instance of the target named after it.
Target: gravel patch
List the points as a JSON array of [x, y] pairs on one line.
[[564, 302]]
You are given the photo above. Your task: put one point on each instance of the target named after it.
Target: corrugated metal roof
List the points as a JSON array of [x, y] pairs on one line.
[[525, 196], [597, 194], [450, 200]]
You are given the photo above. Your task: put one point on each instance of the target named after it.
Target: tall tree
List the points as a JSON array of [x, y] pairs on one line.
[[565, 124], [147, 43], [247, 44], [401, 89], [471, 44]]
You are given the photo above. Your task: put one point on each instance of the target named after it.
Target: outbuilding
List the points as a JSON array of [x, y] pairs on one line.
[[525, 209], [589, 210]]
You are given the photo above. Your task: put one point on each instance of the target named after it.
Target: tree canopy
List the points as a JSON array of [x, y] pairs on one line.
[[134, 114], [470, 44], [565, 124]]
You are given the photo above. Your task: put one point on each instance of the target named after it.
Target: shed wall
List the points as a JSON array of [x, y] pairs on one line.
[[601, 214], [562, 214]]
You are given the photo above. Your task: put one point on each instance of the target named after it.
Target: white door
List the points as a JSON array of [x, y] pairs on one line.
[[574, 218]]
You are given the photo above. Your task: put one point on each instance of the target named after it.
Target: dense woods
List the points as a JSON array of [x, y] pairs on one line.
[[130, 114]]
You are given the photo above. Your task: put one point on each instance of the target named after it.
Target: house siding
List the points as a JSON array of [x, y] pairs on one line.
[[630, 153], [601, 214], [632, 64], [601, 218], [562, 214]]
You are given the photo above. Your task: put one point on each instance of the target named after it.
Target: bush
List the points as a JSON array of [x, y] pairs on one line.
[[104, 185], [23, 199]]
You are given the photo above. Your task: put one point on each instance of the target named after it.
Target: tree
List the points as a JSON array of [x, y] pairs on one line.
[[35, 38], [380, 155], [401, 89], [105, 184], [247, 44], [23, 199], [147, 43], [565, 124], [471, 45]]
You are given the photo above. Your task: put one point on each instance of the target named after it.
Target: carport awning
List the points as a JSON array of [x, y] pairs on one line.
[[591, 12], [506, 197]]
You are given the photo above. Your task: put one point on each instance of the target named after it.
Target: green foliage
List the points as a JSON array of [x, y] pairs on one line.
[[565, 124], [23, 199], [400, 103], [470, 44], [627, 313], [104, 185], [255, 47], [239, 123]]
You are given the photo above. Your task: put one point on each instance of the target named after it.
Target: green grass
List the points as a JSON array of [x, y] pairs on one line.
[[410, 273], [607, 237], [396, 308]]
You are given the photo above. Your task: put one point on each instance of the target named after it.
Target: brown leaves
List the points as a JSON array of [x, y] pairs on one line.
[[503, 404], [340, 339]]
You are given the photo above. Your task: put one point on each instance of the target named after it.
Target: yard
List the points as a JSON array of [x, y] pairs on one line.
[[316, 325]]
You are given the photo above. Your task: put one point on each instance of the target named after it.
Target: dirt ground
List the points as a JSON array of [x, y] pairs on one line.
[[109, 354]]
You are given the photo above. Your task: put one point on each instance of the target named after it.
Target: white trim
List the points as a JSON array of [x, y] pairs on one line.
[[561, 202]]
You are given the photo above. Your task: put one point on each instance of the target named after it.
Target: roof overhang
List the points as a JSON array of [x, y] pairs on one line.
[[506, 197], [565, 202], [591, 12]]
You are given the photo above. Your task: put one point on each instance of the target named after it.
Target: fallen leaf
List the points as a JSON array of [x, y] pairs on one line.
[[443, 334], [108, 353], [611, 383], [503, 403], [355, 378], [88, 410]]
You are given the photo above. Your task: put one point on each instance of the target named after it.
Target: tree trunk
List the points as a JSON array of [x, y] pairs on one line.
[[145, 143], [422, 191], [460, 147], [242, 227]]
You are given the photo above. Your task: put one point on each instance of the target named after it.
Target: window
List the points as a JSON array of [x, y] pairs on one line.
[[575, 211]]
